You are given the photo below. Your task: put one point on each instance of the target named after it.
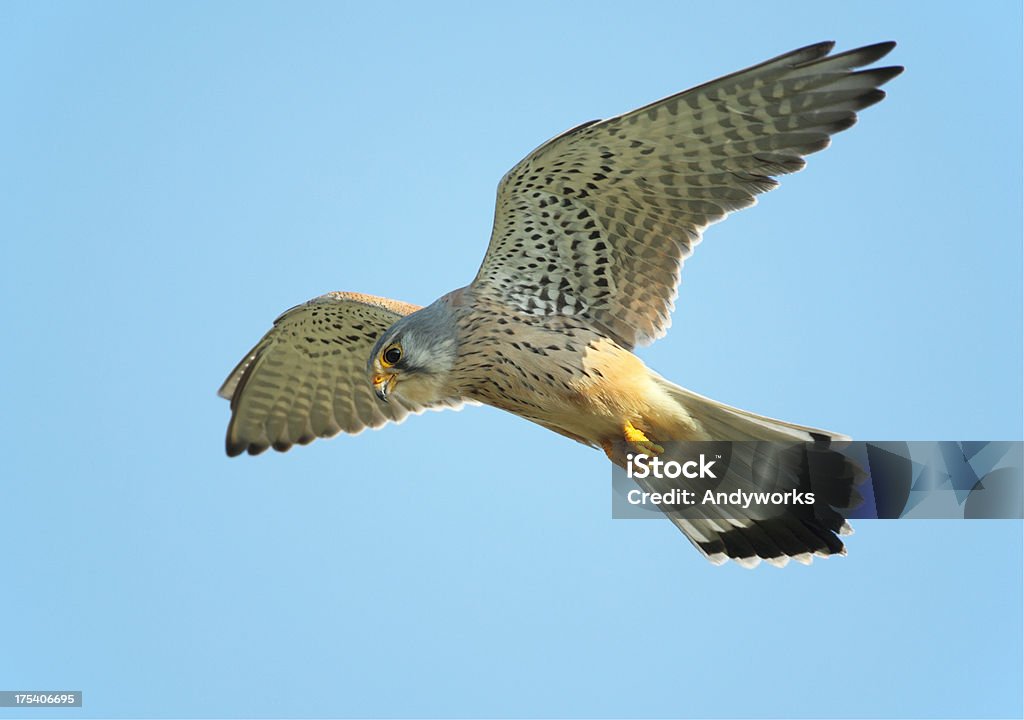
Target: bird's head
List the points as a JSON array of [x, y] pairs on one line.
[[412, 359]]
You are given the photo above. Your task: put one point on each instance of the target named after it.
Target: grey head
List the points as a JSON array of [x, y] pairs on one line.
[[412, 359]]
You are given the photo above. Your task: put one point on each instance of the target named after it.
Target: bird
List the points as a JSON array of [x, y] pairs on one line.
[[590, 233]]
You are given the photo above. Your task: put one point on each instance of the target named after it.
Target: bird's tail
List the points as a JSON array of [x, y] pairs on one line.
[[718, 421], [764, 456]]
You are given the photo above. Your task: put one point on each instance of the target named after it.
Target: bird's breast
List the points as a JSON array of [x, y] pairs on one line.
[[554, 371]]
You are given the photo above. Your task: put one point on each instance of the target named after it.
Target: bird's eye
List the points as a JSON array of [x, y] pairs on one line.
[[392, 355]]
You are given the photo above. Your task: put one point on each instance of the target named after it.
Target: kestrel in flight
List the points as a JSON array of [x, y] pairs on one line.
[[590, 233]]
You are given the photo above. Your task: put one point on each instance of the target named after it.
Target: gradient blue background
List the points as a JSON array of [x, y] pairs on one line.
[[175, 175]]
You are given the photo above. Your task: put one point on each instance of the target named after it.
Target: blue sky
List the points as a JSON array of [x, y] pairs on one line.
[[177, 174]]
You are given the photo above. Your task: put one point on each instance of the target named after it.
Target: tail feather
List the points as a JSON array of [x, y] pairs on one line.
[[724, 422], [764, 455]]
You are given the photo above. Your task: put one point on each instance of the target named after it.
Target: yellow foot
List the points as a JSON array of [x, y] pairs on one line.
[[641, 442]]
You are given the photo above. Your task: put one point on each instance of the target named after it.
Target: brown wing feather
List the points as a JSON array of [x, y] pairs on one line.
[[307, 377], [597, 222]]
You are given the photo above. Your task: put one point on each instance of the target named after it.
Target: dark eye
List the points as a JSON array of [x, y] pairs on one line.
[[392, 355]]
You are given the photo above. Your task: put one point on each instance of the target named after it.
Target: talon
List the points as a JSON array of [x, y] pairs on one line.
[[637, 439]]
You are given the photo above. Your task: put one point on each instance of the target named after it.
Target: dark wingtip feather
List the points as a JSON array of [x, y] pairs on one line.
[[821, 48], [871, 98], [804, 56], [845, 123], [892, 71], [234, 449], [879, 50], [882, 75], [869, 53]]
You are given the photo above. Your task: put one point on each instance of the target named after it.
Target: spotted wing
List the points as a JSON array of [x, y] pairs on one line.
[[307, 377], [598, 221]]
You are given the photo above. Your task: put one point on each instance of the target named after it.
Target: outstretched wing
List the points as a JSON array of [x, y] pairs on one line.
[[307, 377], [597, 222]]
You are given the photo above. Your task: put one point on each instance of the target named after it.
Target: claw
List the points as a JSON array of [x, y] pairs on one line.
[[641, 442], [636, 440]]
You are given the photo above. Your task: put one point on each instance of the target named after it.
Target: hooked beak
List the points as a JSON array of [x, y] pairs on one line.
[[383, 384]]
